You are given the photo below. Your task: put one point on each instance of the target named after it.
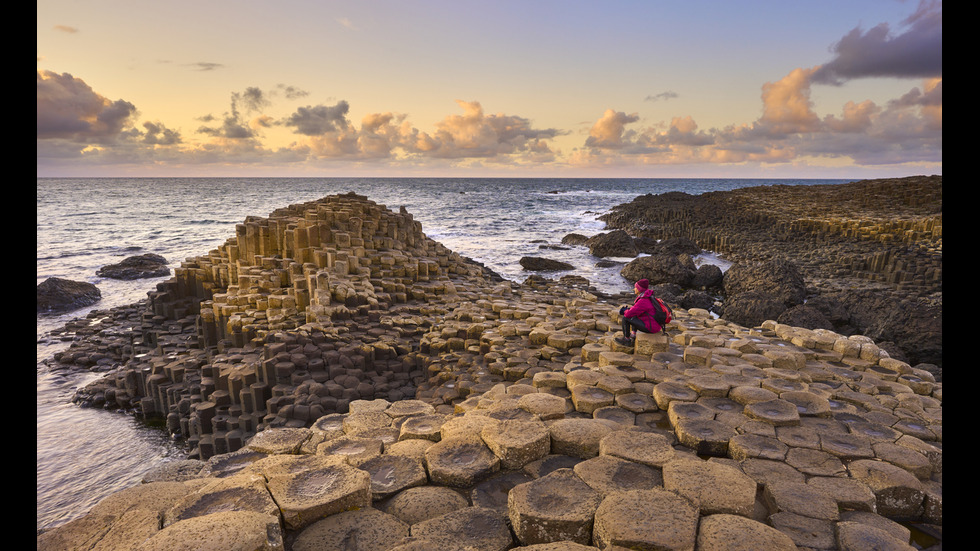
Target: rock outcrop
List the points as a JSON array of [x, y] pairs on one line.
[[388, 395], [877, 242], [614, 243], [56, 295], [136, 267], [539, 264]]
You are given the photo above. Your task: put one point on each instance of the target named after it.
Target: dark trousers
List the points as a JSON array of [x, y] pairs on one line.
[[630, 324]]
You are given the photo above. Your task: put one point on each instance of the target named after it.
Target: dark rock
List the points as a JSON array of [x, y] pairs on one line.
[[614, 243], [61, 295], [915, 325], [779, 279], [537, 264], [646, 245], [136, 267], [697, 299], [574, 281], [806, 316], [671, 293], [833, 310], [574, 239], [708, 276], [678, 245], [606, 263], [751, 308], [661, 268]]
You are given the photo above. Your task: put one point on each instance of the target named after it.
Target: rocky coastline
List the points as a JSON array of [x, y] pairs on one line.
[[869, 254], [345, 382]]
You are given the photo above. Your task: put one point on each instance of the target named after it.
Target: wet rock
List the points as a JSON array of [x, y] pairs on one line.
[[539, 264], [56, 295], [574, 239], [136, 267], [616, 243]]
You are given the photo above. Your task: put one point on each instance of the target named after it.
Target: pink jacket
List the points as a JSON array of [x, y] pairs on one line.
[[643, 309]]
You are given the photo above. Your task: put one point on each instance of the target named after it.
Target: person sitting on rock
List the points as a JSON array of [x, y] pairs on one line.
[[638, 317]]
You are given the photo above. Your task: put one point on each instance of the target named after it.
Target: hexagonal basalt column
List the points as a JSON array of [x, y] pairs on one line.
[[460, 461], [556, 507], [898, 493], [577, 437], [466, 528], [646, 519], [517, 442], [712, 487], [720, 532], [775, 412], [646, 448], [311, 495]]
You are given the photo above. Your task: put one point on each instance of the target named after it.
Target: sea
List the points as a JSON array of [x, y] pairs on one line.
[[83, 224]]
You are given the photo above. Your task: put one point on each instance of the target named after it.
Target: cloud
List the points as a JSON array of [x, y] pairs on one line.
[[233, 125], [906, 129], [68, 108], [66, 29], [158, 134], [252, 99], [609, 131], [471, 135], [915, 53], [786, 105], [475, 134], [292, 92], [668, 95], [319, 119], [207, 66]]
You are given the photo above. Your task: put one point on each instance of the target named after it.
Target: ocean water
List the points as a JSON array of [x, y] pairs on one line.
[[83, 224]]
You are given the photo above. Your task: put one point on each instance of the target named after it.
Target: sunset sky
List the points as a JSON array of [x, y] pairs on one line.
[[772, 89]]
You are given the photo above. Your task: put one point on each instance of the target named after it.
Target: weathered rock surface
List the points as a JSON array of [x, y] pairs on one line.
[[56, 295], [539, 264], [136, 267], [876, 245], [421, 402], [661, 268], [614, 243]]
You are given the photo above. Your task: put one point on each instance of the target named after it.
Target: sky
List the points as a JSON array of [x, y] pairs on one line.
[[529, 88]]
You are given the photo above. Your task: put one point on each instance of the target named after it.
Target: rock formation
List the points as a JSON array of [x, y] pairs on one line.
[[348, 383], [873, 245], [136, 267], [56, 295], [539, 264]]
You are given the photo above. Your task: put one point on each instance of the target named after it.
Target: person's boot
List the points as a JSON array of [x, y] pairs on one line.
[[625, 341]]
